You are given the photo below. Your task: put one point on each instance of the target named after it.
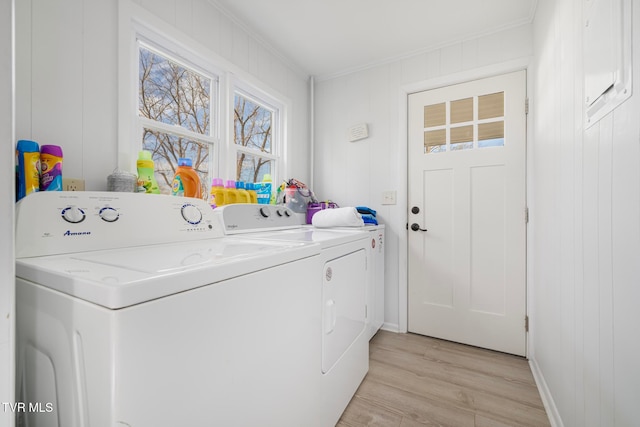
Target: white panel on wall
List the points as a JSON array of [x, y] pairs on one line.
[[587, 234], [7, 154]]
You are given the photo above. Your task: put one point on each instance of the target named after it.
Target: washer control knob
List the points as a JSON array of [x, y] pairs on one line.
[[191, 214], [73, 214], [109, 214], [265, 212]]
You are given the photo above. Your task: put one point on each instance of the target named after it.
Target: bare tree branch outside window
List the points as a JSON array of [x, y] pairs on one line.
[[253, 131], [172, 94]]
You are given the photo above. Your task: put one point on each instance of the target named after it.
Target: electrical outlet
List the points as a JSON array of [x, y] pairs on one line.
[[72, 184]]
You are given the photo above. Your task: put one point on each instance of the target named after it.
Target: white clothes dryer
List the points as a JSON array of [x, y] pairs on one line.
[[343, 277], [133, 309]]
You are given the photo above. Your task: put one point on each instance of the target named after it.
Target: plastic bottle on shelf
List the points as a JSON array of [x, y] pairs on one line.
[[217, 193], [251, 189], [264, 192], [243, 194], [27, 168], [146, 173], [51, 168], [186, 181], [231, 194]]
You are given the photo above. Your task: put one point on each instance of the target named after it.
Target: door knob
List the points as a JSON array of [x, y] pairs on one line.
[[416, 227], [415, 210]]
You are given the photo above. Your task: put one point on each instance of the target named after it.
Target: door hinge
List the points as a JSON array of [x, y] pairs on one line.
[[526, 215], [526, 323], [526, 106]]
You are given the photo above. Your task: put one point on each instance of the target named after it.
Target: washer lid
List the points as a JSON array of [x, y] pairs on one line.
[[124, 277]]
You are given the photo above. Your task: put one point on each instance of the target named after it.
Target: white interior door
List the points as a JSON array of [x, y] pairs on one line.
[[467, 225]]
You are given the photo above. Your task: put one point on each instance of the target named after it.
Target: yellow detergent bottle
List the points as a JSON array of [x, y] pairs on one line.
[[231, 194], [217, 193]]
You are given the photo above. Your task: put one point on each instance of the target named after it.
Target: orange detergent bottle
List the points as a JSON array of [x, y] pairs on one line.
[[186, 181]]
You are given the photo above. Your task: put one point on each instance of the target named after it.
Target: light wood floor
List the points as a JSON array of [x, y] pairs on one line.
[[419, 381]]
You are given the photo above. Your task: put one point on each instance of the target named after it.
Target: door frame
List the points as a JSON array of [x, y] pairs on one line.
[[434, 83]]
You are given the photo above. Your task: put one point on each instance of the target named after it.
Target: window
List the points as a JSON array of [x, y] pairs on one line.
[[254, 126], [464, 124], [178, 98], [176, 114]]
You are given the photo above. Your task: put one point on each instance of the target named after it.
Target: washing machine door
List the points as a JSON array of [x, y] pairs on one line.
[[343, 296]]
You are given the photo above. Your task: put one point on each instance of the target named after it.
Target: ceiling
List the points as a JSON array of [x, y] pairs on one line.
[[330, 37]]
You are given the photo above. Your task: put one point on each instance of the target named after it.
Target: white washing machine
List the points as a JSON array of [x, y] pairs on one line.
[[343, 277], [134, 310]]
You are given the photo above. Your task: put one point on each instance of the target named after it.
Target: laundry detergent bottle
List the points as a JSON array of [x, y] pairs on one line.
[[243, 194], [231, 194], [27, 168], [251, 189], [264, 192], [51, 168], [186, 181], [146, 174], [216, 196]]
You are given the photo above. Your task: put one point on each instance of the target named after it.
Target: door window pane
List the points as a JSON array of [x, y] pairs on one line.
[[462, 110], [491, 106], [462, 138], [435, 141], [491, 134], [435, 115]]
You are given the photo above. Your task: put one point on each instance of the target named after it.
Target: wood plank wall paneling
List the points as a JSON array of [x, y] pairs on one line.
[[586, 232], [7, 154], [67, 83], [418, 381]]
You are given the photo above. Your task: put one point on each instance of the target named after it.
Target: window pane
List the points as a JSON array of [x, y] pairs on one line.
[[252, 125], [166, 149], [252, 168], [461, 138], [173, 94], [435, 115], [462, 110], [435, 141], [491, 134], [490, 106]]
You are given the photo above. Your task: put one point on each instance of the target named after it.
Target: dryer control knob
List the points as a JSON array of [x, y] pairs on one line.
[[73, 214], [265, 212], [191, 214]]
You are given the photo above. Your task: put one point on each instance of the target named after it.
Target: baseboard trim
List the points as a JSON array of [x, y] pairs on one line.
[[391, 327], [545, 394]]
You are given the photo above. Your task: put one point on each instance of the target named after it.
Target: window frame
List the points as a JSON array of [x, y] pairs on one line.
[[136, 26], [270, 103], [213, 138]]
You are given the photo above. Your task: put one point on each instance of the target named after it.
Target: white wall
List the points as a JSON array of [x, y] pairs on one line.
[[67, 59], [7, 179], [356, 173], [586, 233]]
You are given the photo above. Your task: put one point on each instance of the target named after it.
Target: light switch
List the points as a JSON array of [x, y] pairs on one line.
[[389, 197]]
